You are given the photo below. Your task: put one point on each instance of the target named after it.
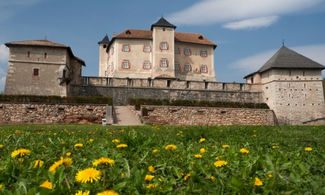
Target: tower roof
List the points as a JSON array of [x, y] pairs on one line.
[[105, 40], [286, 58], [162, 22]]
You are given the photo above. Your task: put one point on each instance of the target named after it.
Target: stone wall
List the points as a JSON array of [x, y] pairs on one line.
[[172, 115], [51, 113]]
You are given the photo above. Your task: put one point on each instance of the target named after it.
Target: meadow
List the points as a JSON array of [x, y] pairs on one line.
[[92, 159]]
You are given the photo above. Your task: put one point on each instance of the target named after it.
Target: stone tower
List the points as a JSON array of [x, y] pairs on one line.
[[103, 56], [163, 37], [291, 86]]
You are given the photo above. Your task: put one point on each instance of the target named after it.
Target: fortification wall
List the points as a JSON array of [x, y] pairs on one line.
[[11, 113], [173, 115], [123, 89]]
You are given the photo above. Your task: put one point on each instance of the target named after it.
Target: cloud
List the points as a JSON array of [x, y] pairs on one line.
[[254, 62], [2, 83], [239, 12], [8, 8], [4, 53], [252, 23]]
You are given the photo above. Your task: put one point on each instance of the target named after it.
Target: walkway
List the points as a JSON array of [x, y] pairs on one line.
[[125, 117]]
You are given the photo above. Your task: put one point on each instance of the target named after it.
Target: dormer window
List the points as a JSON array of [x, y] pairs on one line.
[[164, 63], [128, 32], [204, 53], [146, 48], [187, 51], [126, 48], [164, 46], [201, 37]]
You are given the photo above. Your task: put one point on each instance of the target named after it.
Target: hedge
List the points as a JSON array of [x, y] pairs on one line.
[[56, 99], [137, 102]]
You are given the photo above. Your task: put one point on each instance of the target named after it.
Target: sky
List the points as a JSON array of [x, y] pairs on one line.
[[247, 32]]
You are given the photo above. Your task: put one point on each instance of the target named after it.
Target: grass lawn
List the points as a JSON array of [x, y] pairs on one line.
[[60, 159]]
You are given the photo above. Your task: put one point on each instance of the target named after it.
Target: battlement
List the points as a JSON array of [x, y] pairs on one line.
[[169, 84]]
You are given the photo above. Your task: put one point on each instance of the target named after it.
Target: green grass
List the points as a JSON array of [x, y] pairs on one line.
[[293, 170]]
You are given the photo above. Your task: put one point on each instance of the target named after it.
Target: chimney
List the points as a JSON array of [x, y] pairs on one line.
[[114, 34]]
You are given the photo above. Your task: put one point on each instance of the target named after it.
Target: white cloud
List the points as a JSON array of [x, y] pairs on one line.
[[230, 11], [4, 53], [252, 23], [254, 62], [2, 83]]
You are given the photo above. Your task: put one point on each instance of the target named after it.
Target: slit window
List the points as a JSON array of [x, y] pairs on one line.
[[177, 67], [45, 55], [35, 72]]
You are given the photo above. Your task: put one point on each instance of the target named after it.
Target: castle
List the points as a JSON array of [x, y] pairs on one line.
[[163, 64]]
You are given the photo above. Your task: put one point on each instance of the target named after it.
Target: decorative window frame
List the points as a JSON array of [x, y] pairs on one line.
[[177, 67], [161, 63], [206, 67], [144, 64], [190, 52], [206, 53], [190, 70], [129, 65], [177, 51], [161, 45], [144, 48], [129, 48]]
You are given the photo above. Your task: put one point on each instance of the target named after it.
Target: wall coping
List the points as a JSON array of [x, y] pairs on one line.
[[166, 106]]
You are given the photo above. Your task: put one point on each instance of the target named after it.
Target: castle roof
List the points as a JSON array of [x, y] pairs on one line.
[[44, 43], [105, 40], [162, 22], [286, 58], [179, 37]]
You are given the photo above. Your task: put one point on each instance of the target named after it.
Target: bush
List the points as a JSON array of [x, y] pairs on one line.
[[144, 111]]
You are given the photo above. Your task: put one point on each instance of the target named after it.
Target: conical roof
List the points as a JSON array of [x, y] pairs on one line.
[[286, 58], [162, 22], [105, 40]]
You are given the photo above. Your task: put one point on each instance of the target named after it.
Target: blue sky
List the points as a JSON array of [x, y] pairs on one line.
[[247, 32]]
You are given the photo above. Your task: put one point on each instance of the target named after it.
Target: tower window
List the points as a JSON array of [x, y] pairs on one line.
[[164, 46], [177, 67], [28, 54], [204, 53], [146, 48], [126, 64], [187, 51], [204, 69], [45, 55], [164, 63], [35, 72], [126, 48], [177, 50], [188, 68], [104, 46], [146, 65]]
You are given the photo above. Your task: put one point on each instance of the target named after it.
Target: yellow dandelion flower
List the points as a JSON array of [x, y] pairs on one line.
[[88, 175], [308, 149], [202, 140], [91, 140], [270, 175], [220, 163], [149, 177], [43, 146], [20, 160], [108, 192], [78, 145], [46, 184], [122, 175], [275, 147], [255, 135], [258, 182], [212, 178], [1, 146], [151, 169], [122, 146], [219, 157], [155, 151], [187, 176], [1, 186], [68, 154], [63, 161], [244, 151], [225, 146], [197, 155], [21, 152], [151, 186], [38, 163], [104, 161], [80, 192], [161, 180], [171, 147], [115, 141], [202, 150]]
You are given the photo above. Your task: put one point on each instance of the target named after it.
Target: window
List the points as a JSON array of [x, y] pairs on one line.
[[126, 64], [204, 69], [177, 50], [164, 46], [187, 51], [35, 72], [146, 65], [204, 53], [188, 68], [64, 73], [45, 55], [28, 54], [104, 46], [177, 67], [252, 80], [126, 48], [146, 48], [164, 63]]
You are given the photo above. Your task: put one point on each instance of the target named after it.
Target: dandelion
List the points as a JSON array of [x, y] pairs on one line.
[[88, 175], [122, 146], [149, 177], [103, 160], [91, 140], [155, 151], [254, 135], [270, 175], [46, 184], [151, 169], [171, 147], [275, 147], [151, 186], [43, 146], [202, 150], [225, 146], [244, 151], [108, 192], [197, 155], [161, 180], [1, 146], [220, 163], [80, 192], [258, 182], [308, 149], [78, 145], [38, 163], [219, 157], [202, 140], [21, 152], [122, 175], [68, 154], [187, 176], [63, 161], [1, 186], [115, 141], [212, 178], [20, 160]]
